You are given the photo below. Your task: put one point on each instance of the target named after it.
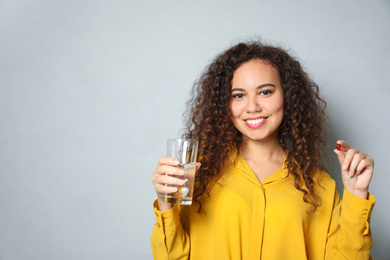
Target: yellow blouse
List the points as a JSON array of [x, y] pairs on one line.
[[246, 219]]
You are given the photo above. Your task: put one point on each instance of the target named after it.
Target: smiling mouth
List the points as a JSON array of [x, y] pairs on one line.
[[256, 121]]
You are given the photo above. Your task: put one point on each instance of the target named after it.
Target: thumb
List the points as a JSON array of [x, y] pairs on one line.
[[198, 164], [340, 156]]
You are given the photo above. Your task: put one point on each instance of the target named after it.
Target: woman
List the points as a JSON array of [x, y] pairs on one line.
[[261, 191]]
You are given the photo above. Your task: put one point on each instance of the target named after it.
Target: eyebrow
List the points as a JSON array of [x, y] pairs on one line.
[[259, 87]]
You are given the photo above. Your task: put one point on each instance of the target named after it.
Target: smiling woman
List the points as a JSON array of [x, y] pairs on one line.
[[301, 133], [257, 109], [261, 191], [257, 101]]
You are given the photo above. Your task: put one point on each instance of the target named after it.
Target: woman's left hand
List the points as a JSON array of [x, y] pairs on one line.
[[356, 169]]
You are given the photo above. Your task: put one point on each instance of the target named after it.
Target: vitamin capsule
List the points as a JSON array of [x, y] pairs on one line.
[[338, 147]]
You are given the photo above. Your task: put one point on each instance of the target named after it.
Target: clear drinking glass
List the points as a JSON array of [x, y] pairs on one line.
[[185, 151]]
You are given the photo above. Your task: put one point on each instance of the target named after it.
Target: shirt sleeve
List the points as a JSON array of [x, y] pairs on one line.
[[349, 235], [169, 240]]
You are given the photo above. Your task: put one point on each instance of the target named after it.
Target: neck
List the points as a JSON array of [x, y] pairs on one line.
[[265, 150]]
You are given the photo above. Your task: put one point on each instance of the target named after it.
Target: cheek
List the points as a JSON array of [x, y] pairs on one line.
[[276, 105], [279, 109], [236, 109], [232, 109]]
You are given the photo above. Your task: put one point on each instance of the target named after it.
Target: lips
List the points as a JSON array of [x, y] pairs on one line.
[[255, 122]]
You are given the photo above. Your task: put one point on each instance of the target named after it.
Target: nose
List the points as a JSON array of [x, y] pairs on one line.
[[253, 105]]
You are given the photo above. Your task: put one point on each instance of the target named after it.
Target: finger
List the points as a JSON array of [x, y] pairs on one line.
[[162, 189], [365, 163], [362, 165], [167, 161], [170, 170], [169, 180], [343, 145], [198, 164], [356, 159], [348, 158]]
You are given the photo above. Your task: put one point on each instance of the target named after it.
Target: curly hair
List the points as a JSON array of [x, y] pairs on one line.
[[302, 131]]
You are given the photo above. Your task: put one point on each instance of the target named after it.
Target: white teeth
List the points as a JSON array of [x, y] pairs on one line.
[[254, 122]]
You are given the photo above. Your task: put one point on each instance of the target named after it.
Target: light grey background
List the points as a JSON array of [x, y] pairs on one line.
[[90, 90]]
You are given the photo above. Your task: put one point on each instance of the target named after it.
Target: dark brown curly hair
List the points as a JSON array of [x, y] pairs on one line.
[[302, 131]]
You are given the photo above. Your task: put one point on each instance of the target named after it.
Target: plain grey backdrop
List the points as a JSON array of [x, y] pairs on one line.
[[90, 90]]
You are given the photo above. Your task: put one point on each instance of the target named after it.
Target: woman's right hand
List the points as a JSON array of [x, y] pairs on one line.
[[165, 173]]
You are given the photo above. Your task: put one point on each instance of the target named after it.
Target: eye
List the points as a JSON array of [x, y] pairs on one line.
[[265, 92], [238, 95]]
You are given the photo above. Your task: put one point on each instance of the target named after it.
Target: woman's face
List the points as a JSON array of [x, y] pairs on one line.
[[257, 101]]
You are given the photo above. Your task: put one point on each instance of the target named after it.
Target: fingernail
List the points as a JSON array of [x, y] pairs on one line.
[[338, 147], [181, 182], [350, 174], [182, 171], [345, 166]]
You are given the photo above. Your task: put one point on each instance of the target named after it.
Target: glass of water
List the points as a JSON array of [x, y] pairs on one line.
[[185, 151]]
